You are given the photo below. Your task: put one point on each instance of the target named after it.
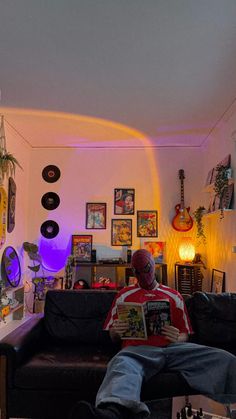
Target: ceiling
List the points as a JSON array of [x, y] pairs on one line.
[[116, 72]]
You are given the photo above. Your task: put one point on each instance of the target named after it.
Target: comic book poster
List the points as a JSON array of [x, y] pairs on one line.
[[147, 224], [157, 250], [82, 247]]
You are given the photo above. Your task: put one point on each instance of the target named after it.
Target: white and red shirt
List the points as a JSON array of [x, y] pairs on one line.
[[135, 294]]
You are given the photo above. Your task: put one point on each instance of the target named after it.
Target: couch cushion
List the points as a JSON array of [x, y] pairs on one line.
[[78, 316], [82, 370], [213, 317], [65, 368]]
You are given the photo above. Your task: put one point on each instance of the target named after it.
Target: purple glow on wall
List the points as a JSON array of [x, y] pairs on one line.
[[53, 256]]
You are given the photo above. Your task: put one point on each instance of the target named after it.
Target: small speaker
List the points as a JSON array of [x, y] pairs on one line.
[[129, 255], [93, 256]]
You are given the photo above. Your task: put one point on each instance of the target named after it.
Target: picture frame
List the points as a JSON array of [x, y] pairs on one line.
[[156, 248], [209, 177], [147, 223], [217, 281], [124, 201], [81, 247], [96, 215], [121, 232]]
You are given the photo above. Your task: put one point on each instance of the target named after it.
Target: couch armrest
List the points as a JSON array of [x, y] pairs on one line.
[[23, 341]]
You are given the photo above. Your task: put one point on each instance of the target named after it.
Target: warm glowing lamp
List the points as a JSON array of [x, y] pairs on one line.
[[186, 249]]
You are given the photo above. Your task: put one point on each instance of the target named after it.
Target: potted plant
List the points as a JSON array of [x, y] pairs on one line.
[[8, 162], [198, 215], [38, 280], [221, 182]]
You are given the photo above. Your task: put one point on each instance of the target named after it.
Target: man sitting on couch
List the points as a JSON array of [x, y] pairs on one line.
[[208, 370]]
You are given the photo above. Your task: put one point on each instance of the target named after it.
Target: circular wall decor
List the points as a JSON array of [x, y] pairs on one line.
[[10, 267], [50, 201], [51, 173], [49, 229]]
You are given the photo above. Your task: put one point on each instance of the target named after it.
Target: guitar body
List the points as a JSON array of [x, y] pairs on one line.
[[182, 220]]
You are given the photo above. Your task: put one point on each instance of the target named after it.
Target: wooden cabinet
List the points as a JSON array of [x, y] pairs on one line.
[[115, 276], [188, 277]]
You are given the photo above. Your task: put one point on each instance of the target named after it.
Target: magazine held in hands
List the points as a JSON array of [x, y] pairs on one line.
[[144, 319]]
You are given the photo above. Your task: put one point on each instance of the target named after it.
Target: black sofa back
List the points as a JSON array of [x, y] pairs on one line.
[[213, 317], [78, 319]]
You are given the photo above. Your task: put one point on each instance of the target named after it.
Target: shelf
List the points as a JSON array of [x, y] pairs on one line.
[[210, 188], [217, 212]]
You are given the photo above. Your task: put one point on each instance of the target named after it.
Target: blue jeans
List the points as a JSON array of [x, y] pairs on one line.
[[209, 371]]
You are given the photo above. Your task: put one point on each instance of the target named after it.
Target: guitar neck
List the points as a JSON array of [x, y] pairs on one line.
[[182, 193]]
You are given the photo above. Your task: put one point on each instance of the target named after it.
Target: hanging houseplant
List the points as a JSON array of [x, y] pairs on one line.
[[198, 215], [8, 162], [221, 182]]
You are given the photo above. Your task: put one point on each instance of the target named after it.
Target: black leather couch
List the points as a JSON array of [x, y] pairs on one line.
[[49, 363]]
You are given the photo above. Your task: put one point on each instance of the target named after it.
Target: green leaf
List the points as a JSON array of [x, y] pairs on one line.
[[34, 268]]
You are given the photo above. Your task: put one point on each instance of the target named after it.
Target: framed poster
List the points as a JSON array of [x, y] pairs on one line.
[[157, 249], [96, 215], [217, 281], [82, 247], [121, 232], [147, 223], [124, 201]]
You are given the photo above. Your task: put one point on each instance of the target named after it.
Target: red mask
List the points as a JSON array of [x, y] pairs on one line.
[[144, 268]]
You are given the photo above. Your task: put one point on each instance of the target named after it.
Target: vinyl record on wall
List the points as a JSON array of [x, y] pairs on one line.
[[49, 229], [50, 201], [51, 173]]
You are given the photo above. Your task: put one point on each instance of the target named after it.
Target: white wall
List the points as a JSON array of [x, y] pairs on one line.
[[19, 148], [90, 175], [222, 234]]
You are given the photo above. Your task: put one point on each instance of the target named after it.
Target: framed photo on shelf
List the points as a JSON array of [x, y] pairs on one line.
[[96, 215], [124, 201], [82, 247], [217, 281], [121, 232], [156, 248], [147, 223]]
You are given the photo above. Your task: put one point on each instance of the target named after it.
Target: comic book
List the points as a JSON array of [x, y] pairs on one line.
[[144, 319]]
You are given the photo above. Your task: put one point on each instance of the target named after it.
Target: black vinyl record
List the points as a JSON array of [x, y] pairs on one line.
[[50, 201], [49, 229], [51, 173]]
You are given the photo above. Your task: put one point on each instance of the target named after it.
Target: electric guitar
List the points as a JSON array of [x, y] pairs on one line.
[[182, 220]]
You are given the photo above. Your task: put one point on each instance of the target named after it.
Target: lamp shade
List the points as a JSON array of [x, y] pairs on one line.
[[186, 249]]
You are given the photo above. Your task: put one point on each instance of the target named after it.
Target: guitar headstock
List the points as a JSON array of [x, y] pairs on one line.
[[181, 174]]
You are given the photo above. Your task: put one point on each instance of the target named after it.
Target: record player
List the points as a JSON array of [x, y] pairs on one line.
[[111, 261]]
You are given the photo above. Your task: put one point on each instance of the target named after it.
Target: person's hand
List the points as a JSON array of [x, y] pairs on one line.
[[119, 327], [171, 333], [117, 330]]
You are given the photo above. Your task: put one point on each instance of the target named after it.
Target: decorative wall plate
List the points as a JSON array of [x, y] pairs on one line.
[[50, 201], [49, 229], [10, 267], [51, 173]]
